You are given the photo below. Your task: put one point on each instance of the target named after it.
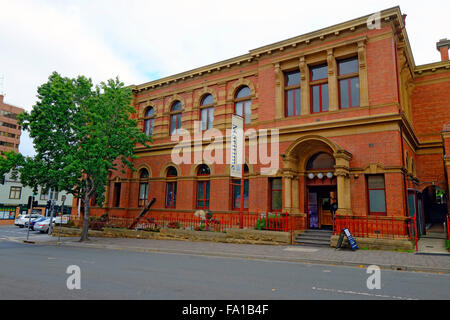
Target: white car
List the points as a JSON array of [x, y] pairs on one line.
[[43, 226], [21, 219]]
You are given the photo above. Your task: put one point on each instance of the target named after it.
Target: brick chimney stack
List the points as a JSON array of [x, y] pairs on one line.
[[442, 46], [1, 98]]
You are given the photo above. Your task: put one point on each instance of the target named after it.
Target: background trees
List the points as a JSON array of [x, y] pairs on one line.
[[80, 133]]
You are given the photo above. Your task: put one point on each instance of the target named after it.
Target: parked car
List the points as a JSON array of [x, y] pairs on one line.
[[43, 226], [33, 222], [20, 220]]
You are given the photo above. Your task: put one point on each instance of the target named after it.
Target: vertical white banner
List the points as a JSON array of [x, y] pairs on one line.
[[237, 145]]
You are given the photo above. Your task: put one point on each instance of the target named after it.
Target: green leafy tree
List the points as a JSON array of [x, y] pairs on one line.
[[80, 133]]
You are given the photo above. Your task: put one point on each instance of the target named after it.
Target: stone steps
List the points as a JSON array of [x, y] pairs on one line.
[[314, 238]]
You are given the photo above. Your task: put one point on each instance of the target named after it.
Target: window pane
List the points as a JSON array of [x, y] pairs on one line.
[[325, 97], [297, 102], [149, 112], [343, 86], [208, 99], [243, 92], [292, 78], [377, 201], [204, 114], [248, 111], [207, 191], [173, 124], [316, 98], [176, 106], [319, 72], [354, 83], [178, 121], [348, 66], [290, 103], [200, 190], [239, 108], [210, 118], [376, 182], [276, 184], [276, 200]]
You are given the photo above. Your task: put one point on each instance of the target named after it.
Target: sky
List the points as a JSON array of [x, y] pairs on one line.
[[143, 40]]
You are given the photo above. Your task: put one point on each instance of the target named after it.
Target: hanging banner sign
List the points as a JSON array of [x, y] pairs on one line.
[[237, 145]]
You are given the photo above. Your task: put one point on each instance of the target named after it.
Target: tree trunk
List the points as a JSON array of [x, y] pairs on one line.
[[85, 230]]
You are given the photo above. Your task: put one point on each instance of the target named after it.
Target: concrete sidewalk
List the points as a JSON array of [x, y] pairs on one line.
[[299, 254]]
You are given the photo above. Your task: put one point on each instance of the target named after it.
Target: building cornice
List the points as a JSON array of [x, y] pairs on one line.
[[392, 14]]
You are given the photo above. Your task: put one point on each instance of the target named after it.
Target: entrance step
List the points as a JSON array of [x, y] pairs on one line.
[[314, 237]]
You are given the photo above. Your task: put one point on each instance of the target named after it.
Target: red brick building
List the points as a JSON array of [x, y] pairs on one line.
[[358, 121], [9, 128]]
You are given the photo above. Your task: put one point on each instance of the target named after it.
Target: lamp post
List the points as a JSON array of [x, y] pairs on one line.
[[63, 198]]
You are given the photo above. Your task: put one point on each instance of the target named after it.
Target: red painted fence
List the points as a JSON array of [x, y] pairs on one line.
[[378, 227]]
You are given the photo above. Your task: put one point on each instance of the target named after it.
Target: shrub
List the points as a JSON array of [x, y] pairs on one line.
[[274, 223]]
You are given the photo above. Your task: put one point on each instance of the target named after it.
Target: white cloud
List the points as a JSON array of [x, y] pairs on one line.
[[144, 40]]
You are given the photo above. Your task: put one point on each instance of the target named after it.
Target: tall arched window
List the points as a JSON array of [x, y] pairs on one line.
[[236, 194], [143, 187], [149, 119], [321, 160], [207, 112], [243, 103], [175, 117], [171, 187], [203, 187]]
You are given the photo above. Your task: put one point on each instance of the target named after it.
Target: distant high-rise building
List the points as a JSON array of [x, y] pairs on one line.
[[10, 130]]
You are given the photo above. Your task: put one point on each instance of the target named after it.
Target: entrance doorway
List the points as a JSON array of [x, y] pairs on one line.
[[319, 207], [435, 209]]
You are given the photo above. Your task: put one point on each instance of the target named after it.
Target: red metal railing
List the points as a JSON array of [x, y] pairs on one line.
[[180, 220], [377, 227]]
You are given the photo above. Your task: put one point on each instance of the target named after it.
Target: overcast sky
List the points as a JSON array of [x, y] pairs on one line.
[[142, 40]]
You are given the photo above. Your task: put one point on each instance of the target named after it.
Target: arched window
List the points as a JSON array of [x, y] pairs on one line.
[[143, 187], [203, 187], [321, 160], [243, 103], [175, 117], [171, 187], [207, 112], [236, 194], [149, 119]]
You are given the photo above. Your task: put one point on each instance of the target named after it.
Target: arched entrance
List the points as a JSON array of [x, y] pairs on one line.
[[435, 209], [316, 174]]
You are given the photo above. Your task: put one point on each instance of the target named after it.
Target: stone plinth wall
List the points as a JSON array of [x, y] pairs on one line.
[[372, 243], [231, 236]]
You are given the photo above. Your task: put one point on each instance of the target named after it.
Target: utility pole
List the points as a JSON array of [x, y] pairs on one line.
[[63, 198], [52, 209], [29, 219]]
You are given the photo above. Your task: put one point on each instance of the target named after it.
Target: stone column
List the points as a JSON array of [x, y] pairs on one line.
[[295, 195], [287, 193], [279, 94], [363, 82], [343, 182], [304, 86], [333, 95]]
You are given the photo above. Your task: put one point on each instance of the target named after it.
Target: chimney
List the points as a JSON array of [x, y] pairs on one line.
[[442, 46], [1, 98]]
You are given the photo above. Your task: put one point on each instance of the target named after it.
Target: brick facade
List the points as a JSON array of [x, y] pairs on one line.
[[396, 131]]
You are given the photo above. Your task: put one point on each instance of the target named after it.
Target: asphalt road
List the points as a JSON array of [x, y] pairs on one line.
[[29, 271]]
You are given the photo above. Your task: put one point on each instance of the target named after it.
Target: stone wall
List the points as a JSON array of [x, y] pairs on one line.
[[231, 236], [372, 243]]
